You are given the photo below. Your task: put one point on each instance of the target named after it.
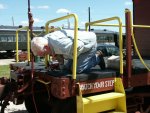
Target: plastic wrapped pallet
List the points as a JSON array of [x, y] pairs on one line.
[[113, 62]]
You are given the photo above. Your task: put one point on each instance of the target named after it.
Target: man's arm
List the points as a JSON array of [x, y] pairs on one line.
[[60, 58]]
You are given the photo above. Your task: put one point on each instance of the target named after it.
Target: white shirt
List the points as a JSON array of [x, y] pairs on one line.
[[62, 42]]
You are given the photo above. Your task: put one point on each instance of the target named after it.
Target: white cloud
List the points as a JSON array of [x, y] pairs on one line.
[[40, 7], [32, 7], [83, 23], [2, 6], [63, 11], [24, 23], [43, 7], [128, 3], [36, 20]]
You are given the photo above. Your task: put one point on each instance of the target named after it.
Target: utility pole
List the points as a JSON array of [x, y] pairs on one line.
[[89, 18], [13, 21], [30, 19], [68, 22]]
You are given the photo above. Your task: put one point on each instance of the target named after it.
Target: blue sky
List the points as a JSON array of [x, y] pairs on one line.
[[44, 10]]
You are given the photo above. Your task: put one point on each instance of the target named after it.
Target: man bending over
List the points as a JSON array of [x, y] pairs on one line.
[[60, 44]]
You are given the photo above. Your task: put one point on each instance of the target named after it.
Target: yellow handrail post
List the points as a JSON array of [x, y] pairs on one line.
[[75, 37], [97, 23], [17, 46], [28, 42]]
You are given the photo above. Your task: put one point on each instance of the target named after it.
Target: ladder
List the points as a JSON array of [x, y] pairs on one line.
[[112, 101]]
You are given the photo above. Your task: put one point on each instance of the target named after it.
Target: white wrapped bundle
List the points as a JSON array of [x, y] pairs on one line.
[[113, 62]]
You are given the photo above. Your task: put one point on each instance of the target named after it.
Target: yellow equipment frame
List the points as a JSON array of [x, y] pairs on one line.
[[96, 23], [28, 42]]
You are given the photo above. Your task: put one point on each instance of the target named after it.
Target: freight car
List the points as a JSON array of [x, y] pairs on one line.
[[45, 88]]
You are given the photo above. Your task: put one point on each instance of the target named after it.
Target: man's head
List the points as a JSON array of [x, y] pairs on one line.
[[39, 46]]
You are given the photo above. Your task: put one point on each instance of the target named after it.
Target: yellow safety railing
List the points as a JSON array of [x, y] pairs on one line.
[[133, 38], [107, 25], [116, 25], [97, 23], [134, 42], [75, 37], [28, 42]]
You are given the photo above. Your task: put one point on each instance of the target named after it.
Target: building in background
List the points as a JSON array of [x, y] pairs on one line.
[[8, 37]]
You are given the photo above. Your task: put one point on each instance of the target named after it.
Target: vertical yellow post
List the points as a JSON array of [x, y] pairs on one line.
[[17, 46], [47, 56], [28, 44], [75, 46]]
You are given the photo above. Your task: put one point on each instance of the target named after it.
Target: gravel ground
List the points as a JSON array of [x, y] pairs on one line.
[[6, 61], [15, 108]]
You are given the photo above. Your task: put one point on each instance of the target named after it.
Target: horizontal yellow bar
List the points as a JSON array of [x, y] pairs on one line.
[[116, 25]]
